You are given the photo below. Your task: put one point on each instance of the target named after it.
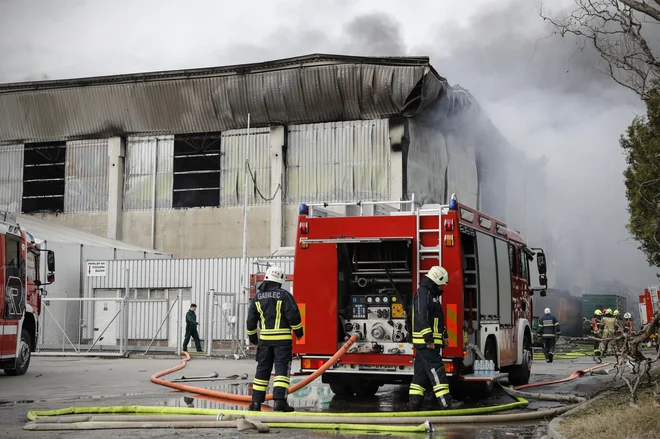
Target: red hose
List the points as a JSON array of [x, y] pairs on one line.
[[574, 375], [155, 378]]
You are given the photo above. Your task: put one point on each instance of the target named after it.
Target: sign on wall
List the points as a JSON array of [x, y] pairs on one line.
[[97, 268]]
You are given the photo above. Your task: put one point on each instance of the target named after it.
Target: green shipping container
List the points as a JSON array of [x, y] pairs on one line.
[[591, 302]]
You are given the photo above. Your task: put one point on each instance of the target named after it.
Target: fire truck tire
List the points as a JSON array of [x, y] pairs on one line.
[[341, 387], [519, 375], [365, 389], [23, 360]]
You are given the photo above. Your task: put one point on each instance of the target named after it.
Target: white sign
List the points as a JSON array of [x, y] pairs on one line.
[[97, 268]]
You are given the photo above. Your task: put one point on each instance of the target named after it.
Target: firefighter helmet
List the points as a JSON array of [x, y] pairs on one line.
[[608, 311], [616, 312], [547, 311], [275, 274], [627, 316], [438, 275], [598, 312]]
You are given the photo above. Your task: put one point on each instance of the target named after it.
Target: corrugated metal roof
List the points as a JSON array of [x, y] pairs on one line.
[[47, 231], [311, 89]]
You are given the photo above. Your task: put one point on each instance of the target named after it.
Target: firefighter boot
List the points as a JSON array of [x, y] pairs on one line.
[[445, 401], [415, 403], [282, 406]]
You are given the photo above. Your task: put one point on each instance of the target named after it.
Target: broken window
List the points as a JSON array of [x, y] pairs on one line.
[[196, 170], [43, 177]]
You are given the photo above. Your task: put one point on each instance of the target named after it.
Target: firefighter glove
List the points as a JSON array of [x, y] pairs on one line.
[[254, 339]]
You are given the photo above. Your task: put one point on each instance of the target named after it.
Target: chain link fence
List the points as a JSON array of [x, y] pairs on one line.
[[111, 326]]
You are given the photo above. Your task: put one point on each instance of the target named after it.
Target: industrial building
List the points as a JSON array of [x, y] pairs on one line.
[[157, 159]]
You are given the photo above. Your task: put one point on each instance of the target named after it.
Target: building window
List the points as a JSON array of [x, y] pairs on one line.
[[196, 170], [43, 177]]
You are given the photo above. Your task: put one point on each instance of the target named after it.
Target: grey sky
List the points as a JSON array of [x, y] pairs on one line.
[[543, 96]]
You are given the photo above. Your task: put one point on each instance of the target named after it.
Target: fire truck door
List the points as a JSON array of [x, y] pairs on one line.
[[12, 302]]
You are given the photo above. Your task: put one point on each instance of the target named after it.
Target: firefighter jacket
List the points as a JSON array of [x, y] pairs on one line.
[[628, 326], [609, 326], [277, 312], [428, 319], [191, 320], [595, 325], [549, 326]]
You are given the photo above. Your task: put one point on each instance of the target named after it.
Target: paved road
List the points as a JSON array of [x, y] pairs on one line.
[[53, 383]]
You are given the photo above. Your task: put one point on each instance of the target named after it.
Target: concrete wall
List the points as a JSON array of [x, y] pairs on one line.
[[201, 233], [95, 223]]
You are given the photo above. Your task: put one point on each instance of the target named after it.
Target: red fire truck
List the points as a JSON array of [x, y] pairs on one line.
[[20, 294], [357, 275], [649, 304]]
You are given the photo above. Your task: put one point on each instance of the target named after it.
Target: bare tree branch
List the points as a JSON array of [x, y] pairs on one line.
[[615, 29]]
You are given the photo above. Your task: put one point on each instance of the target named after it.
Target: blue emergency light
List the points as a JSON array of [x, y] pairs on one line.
[[453, 202], [304, 210]]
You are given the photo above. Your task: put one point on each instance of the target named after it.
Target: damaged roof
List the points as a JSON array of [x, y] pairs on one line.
[[308, 89]]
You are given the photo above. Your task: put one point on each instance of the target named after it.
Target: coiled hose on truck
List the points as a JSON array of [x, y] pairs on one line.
[[94, 418]]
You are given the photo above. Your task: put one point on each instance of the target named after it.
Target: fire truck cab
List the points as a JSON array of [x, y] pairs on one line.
[[356, 275], [20, 294]]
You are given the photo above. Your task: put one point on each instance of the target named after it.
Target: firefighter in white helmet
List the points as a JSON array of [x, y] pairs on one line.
[[549, 331], [277, 312], [428, 337]]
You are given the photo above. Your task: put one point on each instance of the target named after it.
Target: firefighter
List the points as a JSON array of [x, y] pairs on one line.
[[549, 332], [191, 329], [609, 330], [628, 325], [595, 329], [276, 311], [428, 337]]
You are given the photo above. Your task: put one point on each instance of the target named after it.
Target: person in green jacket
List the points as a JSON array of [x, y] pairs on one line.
[[191, 329]]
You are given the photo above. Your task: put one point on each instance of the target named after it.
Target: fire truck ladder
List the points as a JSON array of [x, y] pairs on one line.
[[428, 252]]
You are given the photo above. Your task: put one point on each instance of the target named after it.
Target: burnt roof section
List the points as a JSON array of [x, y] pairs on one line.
[[308, 89]]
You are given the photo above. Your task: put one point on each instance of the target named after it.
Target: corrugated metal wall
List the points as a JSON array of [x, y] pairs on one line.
[[138, 177], [234, 146], [11, 177], [339, 161], [198, 276], [86, 176]]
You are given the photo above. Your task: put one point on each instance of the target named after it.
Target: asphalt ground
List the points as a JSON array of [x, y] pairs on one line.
[[58, 382]]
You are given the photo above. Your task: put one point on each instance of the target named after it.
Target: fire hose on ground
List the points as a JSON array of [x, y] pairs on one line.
[[137, 417]]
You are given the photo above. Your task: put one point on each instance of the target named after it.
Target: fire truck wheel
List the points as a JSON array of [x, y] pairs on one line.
[[364, 389], [23, 360], [341, 387], [519, 375]]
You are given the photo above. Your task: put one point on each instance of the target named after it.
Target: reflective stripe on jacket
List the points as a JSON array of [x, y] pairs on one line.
[[549, 326], [276, 311], [428, 318]]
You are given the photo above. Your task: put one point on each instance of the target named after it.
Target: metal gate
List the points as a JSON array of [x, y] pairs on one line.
[[109, 326]]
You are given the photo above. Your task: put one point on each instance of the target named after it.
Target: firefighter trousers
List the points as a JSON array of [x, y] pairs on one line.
[[267, 356], [549, 346], [429, 372]]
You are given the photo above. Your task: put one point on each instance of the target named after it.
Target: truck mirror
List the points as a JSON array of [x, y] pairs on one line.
[[51, 278], [51, 261], [543, 280], [543, 293], [540, 263]]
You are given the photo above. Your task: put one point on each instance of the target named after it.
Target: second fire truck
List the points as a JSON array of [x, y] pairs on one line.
[[356, 275], [20, 294]]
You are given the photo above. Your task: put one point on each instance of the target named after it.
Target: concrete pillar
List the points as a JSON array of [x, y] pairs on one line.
[[277, 177], [116, 154], [399, 141]]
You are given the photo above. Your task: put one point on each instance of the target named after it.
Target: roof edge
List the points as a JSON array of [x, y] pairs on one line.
[[236, 69]]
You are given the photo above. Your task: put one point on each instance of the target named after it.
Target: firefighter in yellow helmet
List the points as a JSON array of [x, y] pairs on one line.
[[428, 337], [596, 322], [278, 314], [609, 330]]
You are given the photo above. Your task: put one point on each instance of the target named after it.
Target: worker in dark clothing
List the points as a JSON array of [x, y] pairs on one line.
[[628, 325], [428, 337], [549, 331], [191, 329], [276, 311]]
